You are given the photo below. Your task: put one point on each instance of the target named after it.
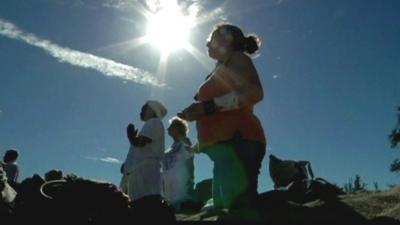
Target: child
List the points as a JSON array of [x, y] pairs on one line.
[[142, 165], [178, 165]]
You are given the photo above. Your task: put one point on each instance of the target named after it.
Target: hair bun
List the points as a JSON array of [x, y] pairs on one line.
[[252, 43]]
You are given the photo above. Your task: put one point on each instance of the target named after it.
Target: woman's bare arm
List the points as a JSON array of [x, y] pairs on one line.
[[246, 83]]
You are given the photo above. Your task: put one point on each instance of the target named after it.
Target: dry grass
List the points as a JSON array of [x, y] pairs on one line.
[[356, 207], [376, 204]]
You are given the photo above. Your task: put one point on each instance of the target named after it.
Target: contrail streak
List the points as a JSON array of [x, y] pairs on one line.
[[86, 60]]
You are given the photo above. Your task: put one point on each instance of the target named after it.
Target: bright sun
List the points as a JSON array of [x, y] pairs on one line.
[[168, 29]]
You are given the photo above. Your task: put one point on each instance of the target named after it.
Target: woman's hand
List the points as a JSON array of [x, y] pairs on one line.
[[196, 148], [193, 112], [131, 132]]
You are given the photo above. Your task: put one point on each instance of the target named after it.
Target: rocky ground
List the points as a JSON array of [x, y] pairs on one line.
[[356, 208]]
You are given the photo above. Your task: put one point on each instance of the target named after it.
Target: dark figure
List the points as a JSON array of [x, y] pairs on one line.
[[10, 166]]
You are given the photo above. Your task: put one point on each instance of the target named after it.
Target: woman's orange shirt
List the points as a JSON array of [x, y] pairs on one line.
[[222, 125]]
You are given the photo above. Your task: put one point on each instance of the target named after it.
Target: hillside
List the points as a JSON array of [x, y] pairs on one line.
[[356, 208]]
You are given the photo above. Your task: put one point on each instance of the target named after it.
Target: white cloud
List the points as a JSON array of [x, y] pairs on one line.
[[155, 5], [86, 60], [119, 4], [192, 8], [105, 159], [215, 14], [202, 10]]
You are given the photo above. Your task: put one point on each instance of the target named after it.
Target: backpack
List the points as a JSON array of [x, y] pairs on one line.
[[284, 172], [315, 189], [296, 180]]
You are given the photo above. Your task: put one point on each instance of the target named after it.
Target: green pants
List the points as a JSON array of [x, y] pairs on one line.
[[237, 164]]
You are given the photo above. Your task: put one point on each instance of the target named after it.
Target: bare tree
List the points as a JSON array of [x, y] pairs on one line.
[[354, 185], [359, 185], [348, 187], [376, 187]]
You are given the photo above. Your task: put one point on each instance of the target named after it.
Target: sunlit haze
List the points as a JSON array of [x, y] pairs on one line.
[[168, 29]]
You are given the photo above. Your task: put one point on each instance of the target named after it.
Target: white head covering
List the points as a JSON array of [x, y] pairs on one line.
[[158, 108]]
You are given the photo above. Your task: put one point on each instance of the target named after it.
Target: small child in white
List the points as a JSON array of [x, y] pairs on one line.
[[178, 165], [142, 165]]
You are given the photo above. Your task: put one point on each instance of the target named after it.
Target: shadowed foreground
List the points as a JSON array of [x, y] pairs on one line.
[[77, 200], [357, 208]]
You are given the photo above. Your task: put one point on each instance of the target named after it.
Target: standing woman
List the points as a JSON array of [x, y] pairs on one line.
[[228, 131]]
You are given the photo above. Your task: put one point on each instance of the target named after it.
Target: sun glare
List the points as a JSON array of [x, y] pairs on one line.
[[168, 30]]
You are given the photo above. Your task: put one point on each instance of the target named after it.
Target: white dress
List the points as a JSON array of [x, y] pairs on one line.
[[176, 173], [142, 164]]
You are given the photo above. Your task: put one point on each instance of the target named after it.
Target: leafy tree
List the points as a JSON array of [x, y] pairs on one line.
[[394, 138], [395, 166]]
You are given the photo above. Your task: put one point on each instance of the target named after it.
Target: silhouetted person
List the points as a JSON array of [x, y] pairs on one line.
[[228, 131], [10, 166], [143, 162]]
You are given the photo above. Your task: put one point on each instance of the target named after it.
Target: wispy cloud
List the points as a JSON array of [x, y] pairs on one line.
[[86, 60], [105, 159], [193, 8], [119, 4], [215, 14], [198, 9]]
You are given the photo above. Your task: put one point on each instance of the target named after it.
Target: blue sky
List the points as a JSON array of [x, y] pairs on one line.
[[71, 79]]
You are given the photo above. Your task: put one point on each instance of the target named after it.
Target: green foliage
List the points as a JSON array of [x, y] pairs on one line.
[[395, 166], [394, 137]]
